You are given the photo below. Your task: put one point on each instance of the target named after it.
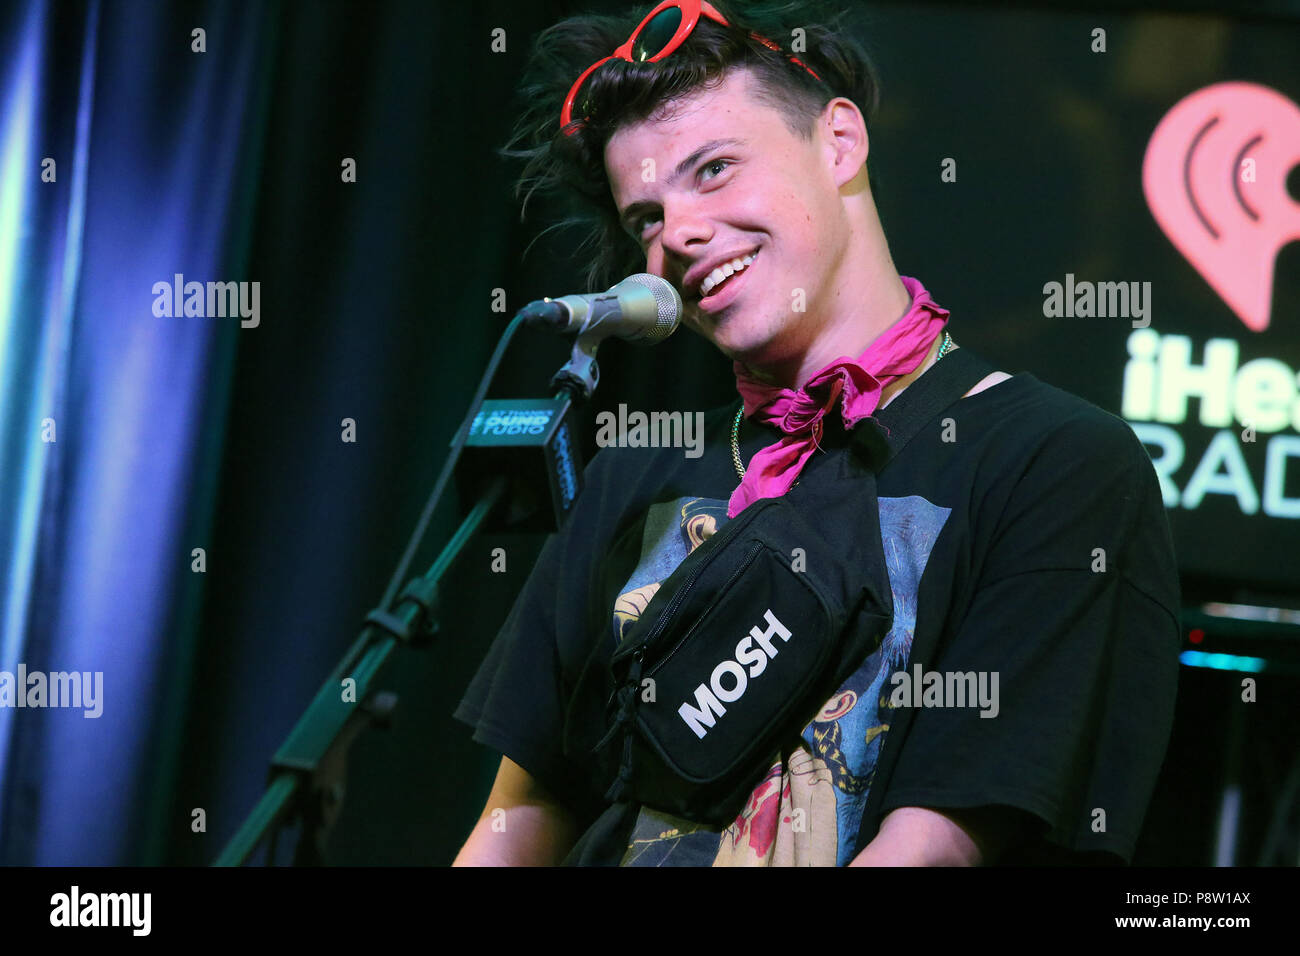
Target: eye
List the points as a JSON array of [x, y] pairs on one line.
[[644, 222], [719, 164]]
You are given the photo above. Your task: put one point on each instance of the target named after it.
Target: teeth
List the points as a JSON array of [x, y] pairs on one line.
[[727, 269]]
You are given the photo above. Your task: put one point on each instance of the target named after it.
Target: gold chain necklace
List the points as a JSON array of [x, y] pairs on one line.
[[740, 414]]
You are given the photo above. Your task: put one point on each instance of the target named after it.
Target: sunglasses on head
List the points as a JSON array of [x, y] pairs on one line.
[[663, 30]]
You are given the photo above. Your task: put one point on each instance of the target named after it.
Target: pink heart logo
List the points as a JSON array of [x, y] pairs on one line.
[[1215, 179]]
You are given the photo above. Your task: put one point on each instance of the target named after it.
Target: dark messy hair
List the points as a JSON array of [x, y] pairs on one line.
[[572, 167]]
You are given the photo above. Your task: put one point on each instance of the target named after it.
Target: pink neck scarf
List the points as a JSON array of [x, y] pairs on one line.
[[856, 383]]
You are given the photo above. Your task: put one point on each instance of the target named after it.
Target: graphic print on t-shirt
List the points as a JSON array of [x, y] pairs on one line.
[[807, 808]]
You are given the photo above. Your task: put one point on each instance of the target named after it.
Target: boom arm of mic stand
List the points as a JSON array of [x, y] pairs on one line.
[[314, 756]]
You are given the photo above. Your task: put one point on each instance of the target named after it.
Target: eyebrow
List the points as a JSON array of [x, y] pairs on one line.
[[682, 169]]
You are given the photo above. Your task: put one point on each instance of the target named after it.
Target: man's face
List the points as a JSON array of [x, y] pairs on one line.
[[723, 177]]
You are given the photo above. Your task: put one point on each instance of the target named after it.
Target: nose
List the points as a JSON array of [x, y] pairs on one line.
[[685, 228]]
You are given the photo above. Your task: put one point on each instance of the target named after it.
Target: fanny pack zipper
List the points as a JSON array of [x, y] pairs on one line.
[[740, 569], [731, 530]]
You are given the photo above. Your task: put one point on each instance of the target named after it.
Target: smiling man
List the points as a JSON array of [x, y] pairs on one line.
[[772, 238], [1022, 530]]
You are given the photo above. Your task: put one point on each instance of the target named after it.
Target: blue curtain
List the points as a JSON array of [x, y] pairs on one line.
[[126, 157]]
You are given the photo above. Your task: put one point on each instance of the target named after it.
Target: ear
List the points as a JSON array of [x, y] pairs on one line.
[[844, 134]]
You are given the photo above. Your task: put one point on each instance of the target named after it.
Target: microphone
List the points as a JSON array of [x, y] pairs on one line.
[[643, 309]]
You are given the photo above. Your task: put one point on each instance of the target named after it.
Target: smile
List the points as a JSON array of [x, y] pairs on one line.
[[721, 286]]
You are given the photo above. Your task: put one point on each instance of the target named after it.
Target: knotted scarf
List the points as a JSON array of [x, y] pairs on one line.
[[856, 383]]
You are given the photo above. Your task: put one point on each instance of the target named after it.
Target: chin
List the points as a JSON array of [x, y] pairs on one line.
[[750, 341], [747, 352]]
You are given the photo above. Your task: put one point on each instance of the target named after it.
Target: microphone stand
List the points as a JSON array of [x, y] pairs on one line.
[[307, 773]]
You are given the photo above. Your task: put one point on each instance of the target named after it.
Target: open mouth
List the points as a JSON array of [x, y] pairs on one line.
[[721, 286]]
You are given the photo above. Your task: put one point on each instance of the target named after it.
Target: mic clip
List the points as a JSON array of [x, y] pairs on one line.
[[580, 375]]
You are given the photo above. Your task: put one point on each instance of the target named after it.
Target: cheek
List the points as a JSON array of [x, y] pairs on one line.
[[653, 256], [793, 216]]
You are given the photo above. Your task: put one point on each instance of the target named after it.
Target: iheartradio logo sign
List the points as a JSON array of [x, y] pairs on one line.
[[1215, 179]]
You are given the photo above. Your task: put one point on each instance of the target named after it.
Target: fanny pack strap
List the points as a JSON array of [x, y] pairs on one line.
[[941, 386], [943, 383]]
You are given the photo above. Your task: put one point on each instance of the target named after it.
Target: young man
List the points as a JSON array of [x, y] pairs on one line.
[[1027, 545]]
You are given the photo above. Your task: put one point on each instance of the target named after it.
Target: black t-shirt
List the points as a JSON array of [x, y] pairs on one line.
[[1028, 554]]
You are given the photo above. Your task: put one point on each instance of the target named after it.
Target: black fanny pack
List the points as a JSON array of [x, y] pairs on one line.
[[757, 627]]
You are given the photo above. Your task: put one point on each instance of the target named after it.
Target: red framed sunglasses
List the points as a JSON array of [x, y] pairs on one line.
[[663, 30]]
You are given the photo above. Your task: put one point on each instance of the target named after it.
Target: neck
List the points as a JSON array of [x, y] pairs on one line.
[[864, 296], [890, 391]]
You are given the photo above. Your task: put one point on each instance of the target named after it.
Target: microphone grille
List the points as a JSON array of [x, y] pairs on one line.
[[668, 305]]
